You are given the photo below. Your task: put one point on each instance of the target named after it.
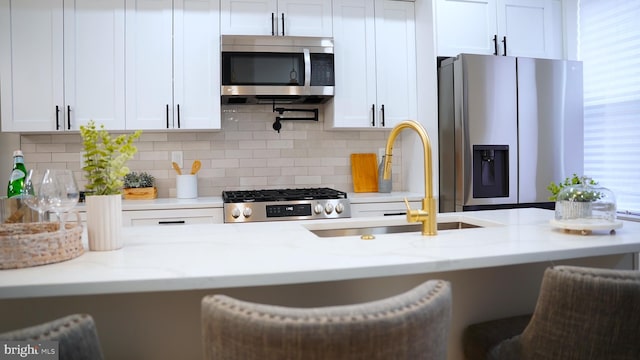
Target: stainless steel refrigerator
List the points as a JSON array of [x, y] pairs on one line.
[[508, 126]]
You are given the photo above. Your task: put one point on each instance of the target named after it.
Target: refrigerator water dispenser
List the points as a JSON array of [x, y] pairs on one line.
[[490, 171]]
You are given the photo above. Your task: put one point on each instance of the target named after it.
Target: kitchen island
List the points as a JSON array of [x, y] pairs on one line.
[[145, 297]]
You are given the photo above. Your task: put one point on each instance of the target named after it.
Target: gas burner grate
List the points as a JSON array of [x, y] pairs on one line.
[[281, 195]]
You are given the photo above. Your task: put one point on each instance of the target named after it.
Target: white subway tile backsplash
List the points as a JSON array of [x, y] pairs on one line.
[[308, 180], [246, 154]]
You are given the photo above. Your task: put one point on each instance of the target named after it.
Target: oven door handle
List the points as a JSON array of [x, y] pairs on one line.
[[307, 69]]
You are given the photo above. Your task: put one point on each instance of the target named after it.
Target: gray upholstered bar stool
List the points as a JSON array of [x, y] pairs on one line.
[[76, 335], [413, 325], [581, 314]]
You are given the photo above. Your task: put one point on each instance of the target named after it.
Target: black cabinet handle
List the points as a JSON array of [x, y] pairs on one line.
[[167, 115], [495, 44], [373, 114], [178, 106], [382, 115], [174, 222], [504, 45], [68, 117], [282, 24], [273, 29], [57, 117]]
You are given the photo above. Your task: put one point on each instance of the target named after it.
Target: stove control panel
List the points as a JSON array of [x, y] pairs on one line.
[[287, 210]]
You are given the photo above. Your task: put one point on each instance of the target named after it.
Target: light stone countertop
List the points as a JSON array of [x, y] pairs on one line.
[[210, 256]]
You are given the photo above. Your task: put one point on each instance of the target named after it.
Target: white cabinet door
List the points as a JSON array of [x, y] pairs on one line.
[[375, 64], [172, 64], [61, 74], [94, 63], [149, 64], [196, 55], [273, 17], [531, 28], [305, 18], [382, 208], [31, 65], [354, 103], [395, 62], [248, 17], [172, 217], [527, 26], [465, 26]]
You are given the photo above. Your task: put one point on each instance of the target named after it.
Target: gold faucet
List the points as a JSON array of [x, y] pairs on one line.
[[428, 213]]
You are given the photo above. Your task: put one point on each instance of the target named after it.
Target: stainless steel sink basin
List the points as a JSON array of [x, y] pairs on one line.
[[389, 229]]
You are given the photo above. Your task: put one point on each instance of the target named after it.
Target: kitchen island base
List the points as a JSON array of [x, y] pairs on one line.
[[166, 325]]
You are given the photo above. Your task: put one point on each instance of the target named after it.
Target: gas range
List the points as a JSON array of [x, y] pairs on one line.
[[285, 204]]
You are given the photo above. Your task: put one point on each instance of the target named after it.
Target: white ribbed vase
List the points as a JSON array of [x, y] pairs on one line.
[[104, 222]]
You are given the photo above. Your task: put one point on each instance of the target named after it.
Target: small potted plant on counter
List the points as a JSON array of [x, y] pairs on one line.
[[105, 159], [139, 186], [574, 197]]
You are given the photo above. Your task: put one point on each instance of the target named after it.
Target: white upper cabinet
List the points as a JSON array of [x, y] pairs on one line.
[[172, 64], [56, 75], [94, 63], [529, 28], [375, 63], [276, 17], [196, 58], [149, 64]]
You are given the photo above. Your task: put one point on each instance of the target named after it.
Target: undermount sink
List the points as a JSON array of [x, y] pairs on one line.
[[389, 229]]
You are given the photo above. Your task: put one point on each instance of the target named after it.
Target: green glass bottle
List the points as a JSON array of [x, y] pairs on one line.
[[18, 175]]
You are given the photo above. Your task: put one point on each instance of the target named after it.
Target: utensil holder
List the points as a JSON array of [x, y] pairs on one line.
[[186, 186]]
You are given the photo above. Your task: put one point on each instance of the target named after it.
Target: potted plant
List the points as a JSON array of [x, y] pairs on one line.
[[104, 168], [139, 186], [574, 197]]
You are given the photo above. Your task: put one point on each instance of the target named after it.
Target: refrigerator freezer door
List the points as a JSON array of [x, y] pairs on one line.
[[551, 136]]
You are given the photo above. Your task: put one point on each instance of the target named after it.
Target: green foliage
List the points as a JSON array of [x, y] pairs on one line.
[[582, 196], [138, 180], [105, 158]]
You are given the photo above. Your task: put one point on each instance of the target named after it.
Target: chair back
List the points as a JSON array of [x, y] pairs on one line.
[[76, 335], [581, 313], [413, 325]]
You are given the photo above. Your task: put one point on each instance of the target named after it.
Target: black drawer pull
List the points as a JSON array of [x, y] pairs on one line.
[[171, 222]]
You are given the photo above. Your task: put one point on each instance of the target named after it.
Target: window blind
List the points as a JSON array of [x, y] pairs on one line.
[[609, 46]]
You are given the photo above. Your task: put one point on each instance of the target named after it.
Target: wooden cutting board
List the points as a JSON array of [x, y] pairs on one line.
[[364, 172]]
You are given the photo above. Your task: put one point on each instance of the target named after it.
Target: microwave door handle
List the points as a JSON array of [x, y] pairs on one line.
[[307, 69]]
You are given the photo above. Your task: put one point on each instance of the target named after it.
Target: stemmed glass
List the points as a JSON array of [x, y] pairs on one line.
[[59, 191], [31, 193]]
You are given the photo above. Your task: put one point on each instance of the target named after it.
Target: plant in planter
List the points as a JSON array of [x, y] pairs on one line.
[[139, 186], [581, 194], [574, 197], [104, 167], [105, 158]]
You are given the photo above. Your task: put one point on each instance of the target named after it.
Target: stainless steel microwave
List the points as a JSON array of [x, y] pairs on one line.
[[276, 69]]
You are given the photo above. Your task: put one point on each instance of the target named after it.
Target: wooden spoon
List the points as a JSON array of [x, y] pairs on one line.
[[176, 167], [195, 167]]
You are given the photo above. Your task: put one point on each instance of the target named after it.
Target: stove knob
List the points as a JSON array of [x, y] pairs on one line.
[[235, 212], [247, 212], [328, 208], [339, 208], [318, 209]]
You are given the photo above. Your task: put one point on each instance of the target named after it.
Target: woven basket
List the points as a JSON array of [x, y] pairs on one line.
[[30, 244]]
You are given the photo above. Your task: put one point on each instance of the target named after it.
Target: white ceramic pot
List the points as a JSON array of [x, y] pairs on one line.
[[104, 222]]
